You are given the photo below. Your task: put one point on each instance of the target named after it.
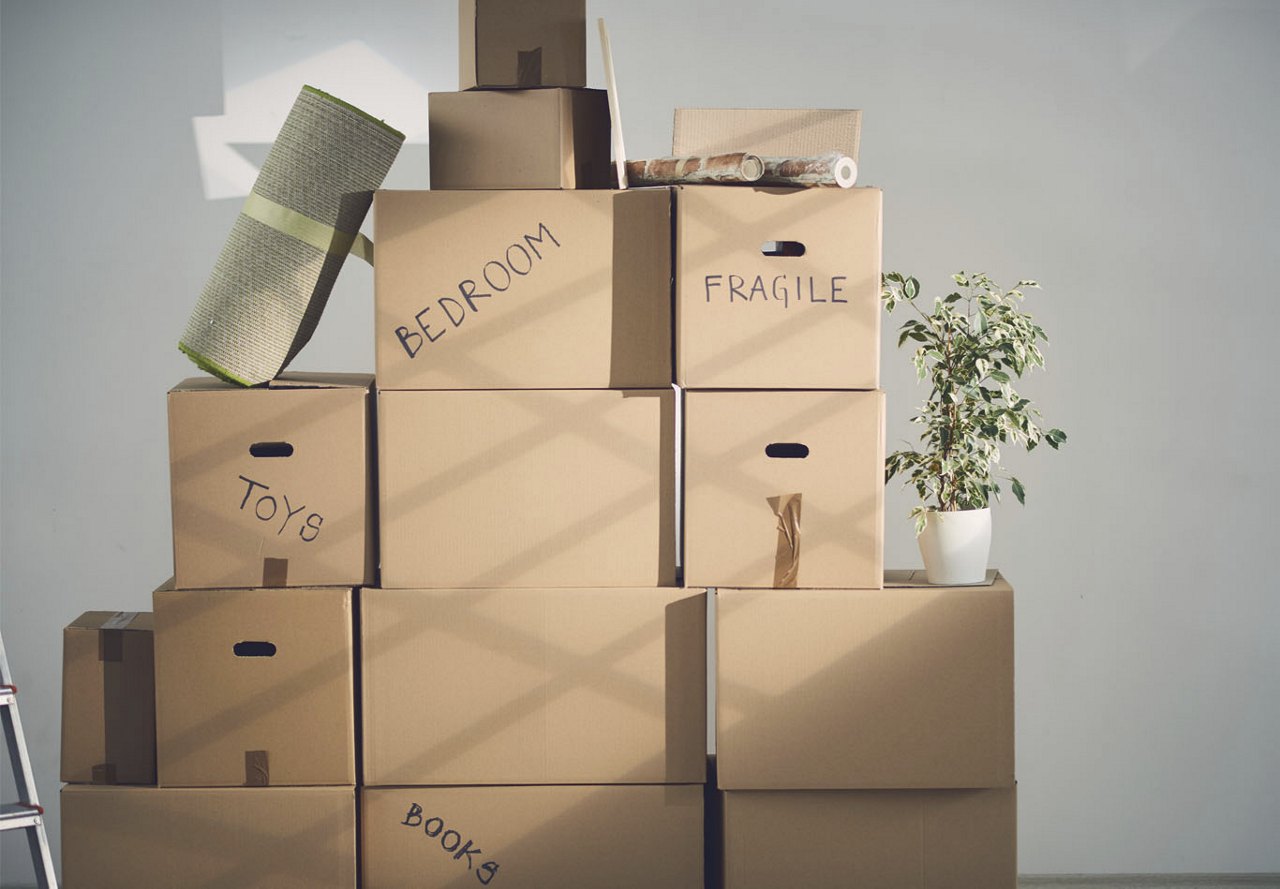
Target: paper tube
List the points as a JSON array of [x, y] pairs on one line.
[[833, 170], [721, 168], [273, 278]]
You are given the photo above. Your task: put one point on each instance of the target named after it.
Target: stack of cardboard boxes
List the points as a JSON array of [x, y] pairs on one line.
[[445, 607]]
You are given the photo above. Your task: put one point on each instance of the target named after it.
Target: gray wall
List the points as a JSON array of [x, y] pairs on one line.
[[1120, 152]]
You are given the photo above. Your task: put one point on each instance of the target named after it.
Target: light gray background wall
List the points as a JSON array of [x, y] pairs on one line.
[[1121, 152]]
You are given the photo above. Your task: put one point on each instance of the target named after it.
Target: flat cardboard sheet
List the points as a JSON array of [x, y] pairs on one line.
[[541, 686], [778, 288], [109, 699], [771, 132], [861, 689], [197, 838], [909, 839], [255, 687], [579, 837], [516, 43], [523, 289], [734, 488], [273, 486], [563, 488], [557, 138]]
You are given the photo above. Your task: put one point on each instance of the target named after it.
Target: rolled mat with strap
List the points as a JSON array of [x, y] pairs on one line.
[[270, 284]]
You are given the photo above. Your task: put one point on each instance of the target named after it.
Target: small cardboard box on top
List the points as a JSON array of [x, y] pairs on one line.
[[549, 488], [534, 686], [904, 839], [109, 699], [535, 290], [522, 43], [909, 687], [567, 837], [555, 138], [273, 486], [784, 489], [255, 838], [255, 687]]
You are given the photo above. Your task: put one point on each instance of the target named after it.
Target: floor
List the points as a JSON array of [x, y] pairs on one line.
[[1150, 881]]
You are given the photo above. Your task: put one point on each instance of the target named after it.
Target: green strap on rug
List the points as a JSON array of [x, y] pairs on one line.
[[270, 284]]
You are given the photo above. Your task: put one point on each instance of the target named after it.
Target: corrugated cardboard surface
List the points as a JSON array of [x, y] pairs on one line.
[[747, 320], [195, 838], [527, 489], [523, 289], [731, 531], [241, 520], [580, 837], [219, 712], [109, 699], [772, 132], [908, 839], [555, 138], [592, 686], [496, 36], [895, 688]]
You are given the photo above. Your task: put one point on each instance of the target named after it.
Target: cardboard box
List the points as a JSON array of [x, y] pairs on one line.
[[554, 138], [519, 43], [566, 488], [568, 686], [250, 838], [771, 132], [778, 288], [272, 486], [862, 689], [908, 839], [109, 699], [254, 687], [568, 837], [784, 489], [537, 289]]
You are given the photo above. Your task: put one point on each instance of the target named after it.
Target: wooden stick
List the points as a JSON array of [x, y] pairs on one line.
[[611, 85], [722, 168], [825, 171]]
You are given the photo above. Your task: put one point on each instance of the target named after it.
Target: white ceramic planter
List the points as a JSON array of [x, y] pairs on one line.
[[955, 546]]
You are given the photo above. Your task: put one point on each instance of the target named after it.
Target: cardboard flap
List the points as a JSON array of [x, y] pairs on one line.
[[289, 380], [117, 620], [779, 132]]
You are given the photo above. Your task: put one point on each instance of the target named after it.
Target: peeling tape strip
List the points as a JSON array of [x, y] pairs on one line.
[[119, 621], [257, 773], [529, 67], [786, 559], [111, 645], [275, 572]]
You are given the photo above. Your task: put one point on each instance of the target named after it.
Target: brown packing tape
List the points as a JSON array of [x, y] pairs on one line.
[[104, 773], [275, 572], [257, 772], [786, 559], [529, 67], [110, 645]]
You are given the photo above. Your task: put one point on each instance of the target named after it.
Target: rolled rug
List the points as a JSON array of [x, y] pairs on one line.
[[273, 277]]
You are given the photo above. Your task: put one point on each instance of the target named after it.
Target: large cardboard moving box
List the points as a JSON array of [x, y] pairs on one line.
[[519, 139], [197, 838], [254, 687], [569, 837], [535, 289], [518, 43], [527, 489], [784, 489], [893, 688], [272, 486], [860, 839], [590, 686], [778, 288], [109, 699]]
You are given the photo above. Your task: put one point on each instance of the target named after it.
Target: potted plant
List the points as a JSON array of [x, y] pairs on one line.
[[971, 346]]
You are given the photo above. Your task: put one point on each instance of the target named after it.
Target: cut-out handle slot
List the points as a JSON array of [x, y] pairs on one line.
[[787, 450], [254, 649], [782, 248], [271, 449]]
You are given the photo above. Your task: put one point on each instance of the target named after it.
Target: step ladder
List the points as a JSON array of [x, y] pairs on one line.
[[27, 814]]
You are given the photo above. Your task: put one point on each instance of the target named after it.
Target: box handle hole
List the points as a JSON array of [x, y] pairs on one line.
[[271, 449], [787, 450], [782, 248], [254, 649]]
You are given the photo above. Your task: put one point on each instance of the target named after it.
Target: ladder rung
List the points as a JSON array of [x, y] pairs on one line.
[[15, 816]]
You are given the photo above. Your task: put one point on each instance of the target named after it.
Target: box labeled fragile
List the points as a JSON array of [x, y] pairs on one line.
[[272, 486]]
